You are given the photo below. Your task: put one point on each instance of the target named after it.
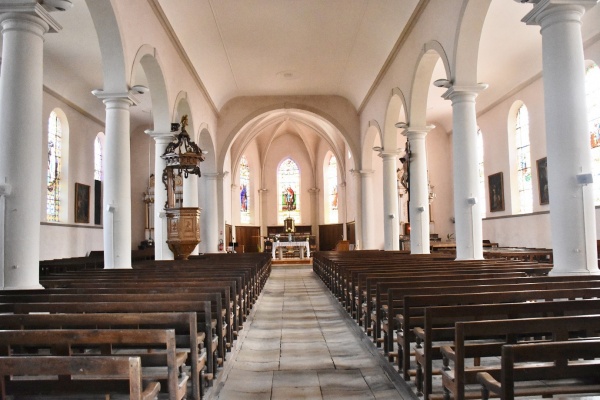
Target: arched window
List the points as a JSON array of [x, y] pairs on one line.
[[244, 191], [331, 183], [54, 167], [523, 160], [288, 182], [481, 172], [98, 171], [592, 95]]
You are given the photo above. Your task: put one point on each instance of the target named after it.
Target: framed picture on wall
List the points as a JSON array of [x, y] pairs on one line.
[[496, 191], [542, 168], [82, 203]]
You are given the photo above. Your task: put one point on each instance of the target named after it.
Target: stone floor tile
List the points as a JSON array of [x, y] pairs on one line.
[[354, 361], [230, 394], [295, 363], [260, 344], [295, 378], [342, 394], [261, 355], [257, 366], [293, 393], [343, 380], [263, 334], [249, 381]]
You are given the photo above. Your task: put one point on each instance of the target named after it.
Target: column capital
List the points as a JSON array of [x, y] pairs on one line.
[[417, 132], [210, 175], [470, 92], [547, 8], [30, 11], [366, 172], [160, 137], [263, 190], [234, 186], [116, 97], [314, 190]]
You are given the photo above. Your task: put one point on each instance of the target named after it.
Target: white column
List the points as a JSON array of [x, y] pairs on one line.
[[262, 196], [221, 206], [190, 197], [117, 182], [419, 194], [161, 249], [572, 214], [367, 207], [23, 28], [467, 211], [210, 226], [343, 215], [235, 211], [358, 223], [390, 201], [314, 212]]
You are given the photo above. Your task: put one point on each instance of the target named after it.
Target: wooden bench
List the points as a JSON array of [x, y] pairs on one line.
[[86, 375], [184, 323], [576, 361], [164, 364], [414, 306], [477, 340]]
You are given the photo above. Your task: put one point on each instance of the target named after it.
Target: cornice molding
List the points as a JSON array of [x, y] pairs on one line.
[[162, 18]]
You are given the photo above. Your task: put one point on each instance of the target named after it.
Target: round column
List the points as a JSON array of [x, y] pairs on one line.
[[262, 195], [117, 183], [419, 191], [390, 201], [210, 225], [314, 211], [21, 145], [572, 214], [367, 207], [467, 210], [161, 249]]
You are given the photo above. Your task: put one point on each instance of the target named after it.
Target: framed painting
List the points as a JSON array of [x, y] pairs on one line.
[[542, 168], [496, 191], [82, 203]]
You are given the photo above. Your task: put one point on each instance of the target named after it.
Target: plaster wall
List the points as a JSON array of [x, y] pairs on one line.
[[65, 238], [142, 165], [282, 148], [439, 163]]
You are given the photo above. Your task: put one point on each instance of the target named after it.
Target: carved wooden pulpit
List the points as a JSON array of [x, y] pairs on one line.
[[183, 157]]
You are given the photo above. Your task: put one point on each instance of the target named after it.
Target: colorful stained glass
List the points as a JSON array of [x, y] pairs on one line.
[[244, 190], [288, 178], [523, 160], [54, 166]]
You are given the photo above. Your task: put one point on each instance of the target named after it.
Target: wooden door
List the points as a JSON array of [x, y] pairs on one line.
[[249, 237]]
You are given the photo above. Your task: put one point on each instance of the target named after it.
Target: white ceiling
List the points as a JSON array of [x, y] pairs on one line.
[[297, 47]]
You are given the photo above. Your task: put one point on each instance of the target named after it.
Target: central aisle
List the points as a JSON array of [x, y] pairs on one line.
[[299, 344]]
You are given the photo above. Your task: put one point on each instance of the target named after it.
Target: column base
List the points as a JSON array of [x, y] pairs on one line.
[[25, 287], [555, 272]]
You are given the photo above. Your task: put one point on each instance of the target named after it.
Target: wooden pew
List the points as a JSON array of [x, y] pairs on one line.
[[165, 365], [484, 339], [184, 324], [575, 360], [414, 306], [202, 308], [95, 375]]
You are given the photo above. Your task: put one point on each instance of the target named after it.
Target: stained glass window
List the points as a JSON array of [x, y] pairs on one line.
[[332, 189], [481, 172], [592, 95], [523, 160], [54, 165], [244, 191], [288, 182], [98, 159]]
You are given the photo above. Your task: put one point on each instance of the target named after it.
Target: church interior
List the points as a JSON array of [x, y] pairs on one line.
[[291, 154]]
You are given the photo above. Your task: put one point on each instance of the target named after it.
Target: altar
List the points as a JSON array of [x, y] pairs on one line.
[[278, 248]]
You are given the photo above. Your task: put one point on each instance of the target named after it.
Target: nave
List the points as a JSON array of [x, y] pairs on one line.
[[300, 344]]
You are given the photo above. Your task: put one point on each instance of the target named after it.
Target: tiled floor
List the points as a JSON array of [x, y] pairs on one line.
[[299, 344]]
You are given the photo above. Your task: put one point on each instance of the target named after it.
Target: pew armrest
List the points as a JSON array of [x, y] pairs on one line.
[[448, 353], [419, 333], [488, 382]]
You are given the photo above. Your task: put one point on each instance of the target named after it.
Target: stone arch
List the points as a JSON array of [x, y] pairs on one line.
[[301, 108], [148, 59], [396, 111], [111, 45], [373, 132], [466, 48], [209, 165], [182, 107], [430, 55]]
